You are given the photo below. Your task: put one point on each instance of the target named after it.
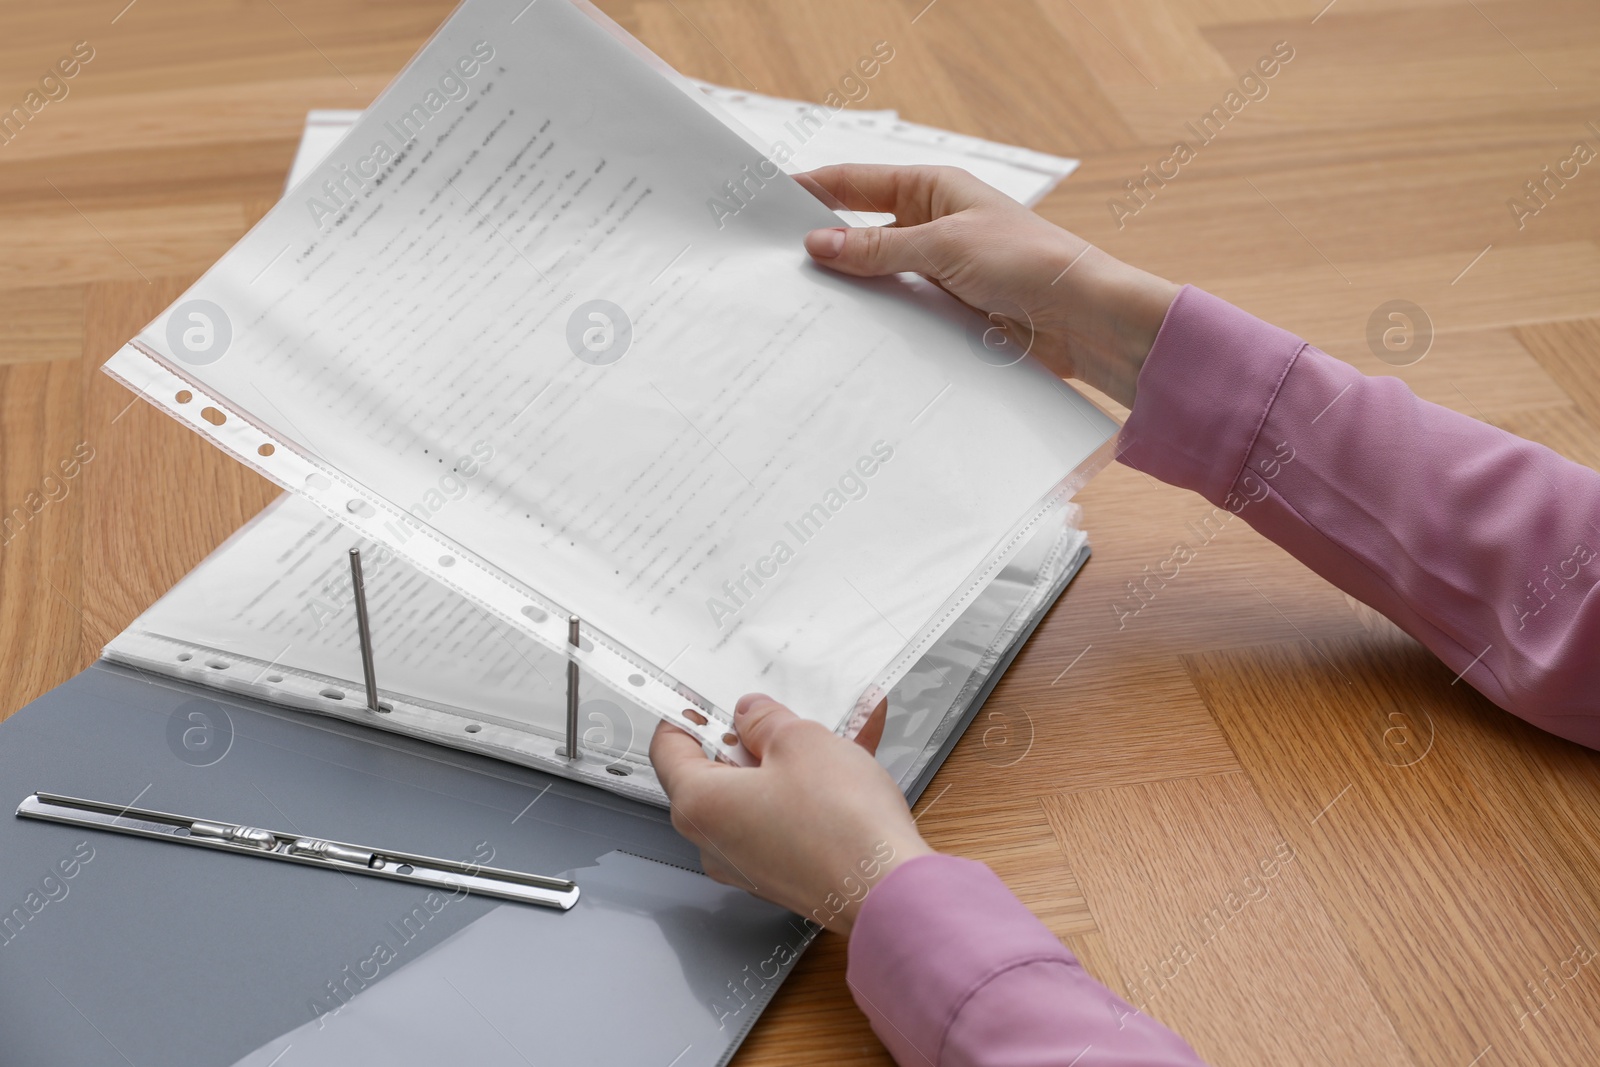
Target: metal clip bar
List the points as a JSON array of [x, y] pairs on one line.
[[295, 848]]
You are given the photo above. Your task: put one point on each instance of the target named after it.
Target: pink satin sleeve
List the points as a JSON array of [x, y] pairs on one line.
[[1481, 545], [952, 970]]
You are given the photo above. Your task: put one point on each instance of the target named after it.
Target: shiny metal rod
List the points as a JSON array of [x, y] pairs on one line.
[[572, 690], [347, 858], [364, 630]]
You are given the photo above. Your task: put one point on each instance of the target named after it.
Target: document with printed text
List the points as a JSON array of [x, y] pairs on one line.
[[542, 325]]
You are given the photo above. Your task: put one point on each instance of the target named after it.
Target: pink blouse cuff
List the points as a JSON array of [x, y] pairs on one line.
[[1204, 392], [926, 938]]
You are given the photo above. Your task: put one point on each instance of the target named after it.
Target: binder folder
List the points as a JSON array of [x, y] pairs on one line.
[[117, 950]]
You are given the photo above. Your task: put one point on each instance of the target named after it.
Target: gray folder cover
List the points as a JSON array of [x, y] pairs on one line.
[[120, 950]]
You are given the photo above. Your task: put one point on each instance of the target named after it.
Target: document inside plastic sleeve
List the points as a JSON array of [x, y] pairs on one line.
[[540, 267]]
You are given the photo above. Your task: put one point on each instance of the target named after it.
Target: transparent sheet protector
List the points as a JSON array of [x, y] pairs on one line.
[[270, 614], [934, 699], [324, 129], [813, 135], [788, 481]]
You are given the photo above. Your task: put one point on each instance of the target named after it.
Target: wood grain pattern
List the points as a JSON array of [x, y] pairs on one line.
[[1444, 837], [41, 324], [1144, 754], [157, 503], [1203, 901]]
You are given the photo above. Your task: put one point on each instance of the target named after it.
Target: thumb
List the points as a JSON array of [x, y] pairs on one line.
[[871, 251], [759, 718], [871, 732]]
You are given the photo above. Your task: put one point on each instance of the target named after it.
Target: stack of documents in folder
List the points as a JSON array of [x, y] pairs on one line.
[[538, 330], [275, 601]]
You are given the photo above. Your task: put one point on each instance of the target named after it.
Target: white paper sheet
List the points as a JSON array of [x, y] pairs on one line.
[[744, 471], [271, 614], [813, 135]]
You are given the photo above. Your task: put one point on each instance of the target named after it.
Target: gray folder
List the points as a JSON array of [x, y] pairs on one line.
[[118, 950]]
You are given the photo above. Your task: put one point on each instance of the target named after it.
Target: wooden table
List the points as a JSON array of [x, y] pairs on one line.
[[1435, 888]]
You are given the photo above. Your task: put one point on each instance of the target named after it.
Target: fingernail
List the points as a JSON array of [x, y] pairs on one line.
[[825, 244], [747, 701]]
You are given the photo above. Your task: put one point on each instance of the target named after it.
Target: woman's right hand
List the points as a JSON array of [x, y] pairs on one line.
[[1084, 313], [812, 827]]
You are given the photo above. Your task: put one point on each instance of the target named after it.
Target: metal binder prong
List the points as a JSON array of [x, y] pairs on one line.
[[296, 848], [364, 630], [572, 690]]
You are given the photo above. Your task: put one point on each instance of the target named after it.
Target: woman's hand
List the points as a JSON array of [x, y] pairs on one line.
[[1085, 314], [811, 828]]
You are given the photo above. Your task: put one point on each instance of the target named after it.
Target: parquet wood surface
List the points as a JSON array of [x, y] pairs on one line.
[[1126, 779]]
